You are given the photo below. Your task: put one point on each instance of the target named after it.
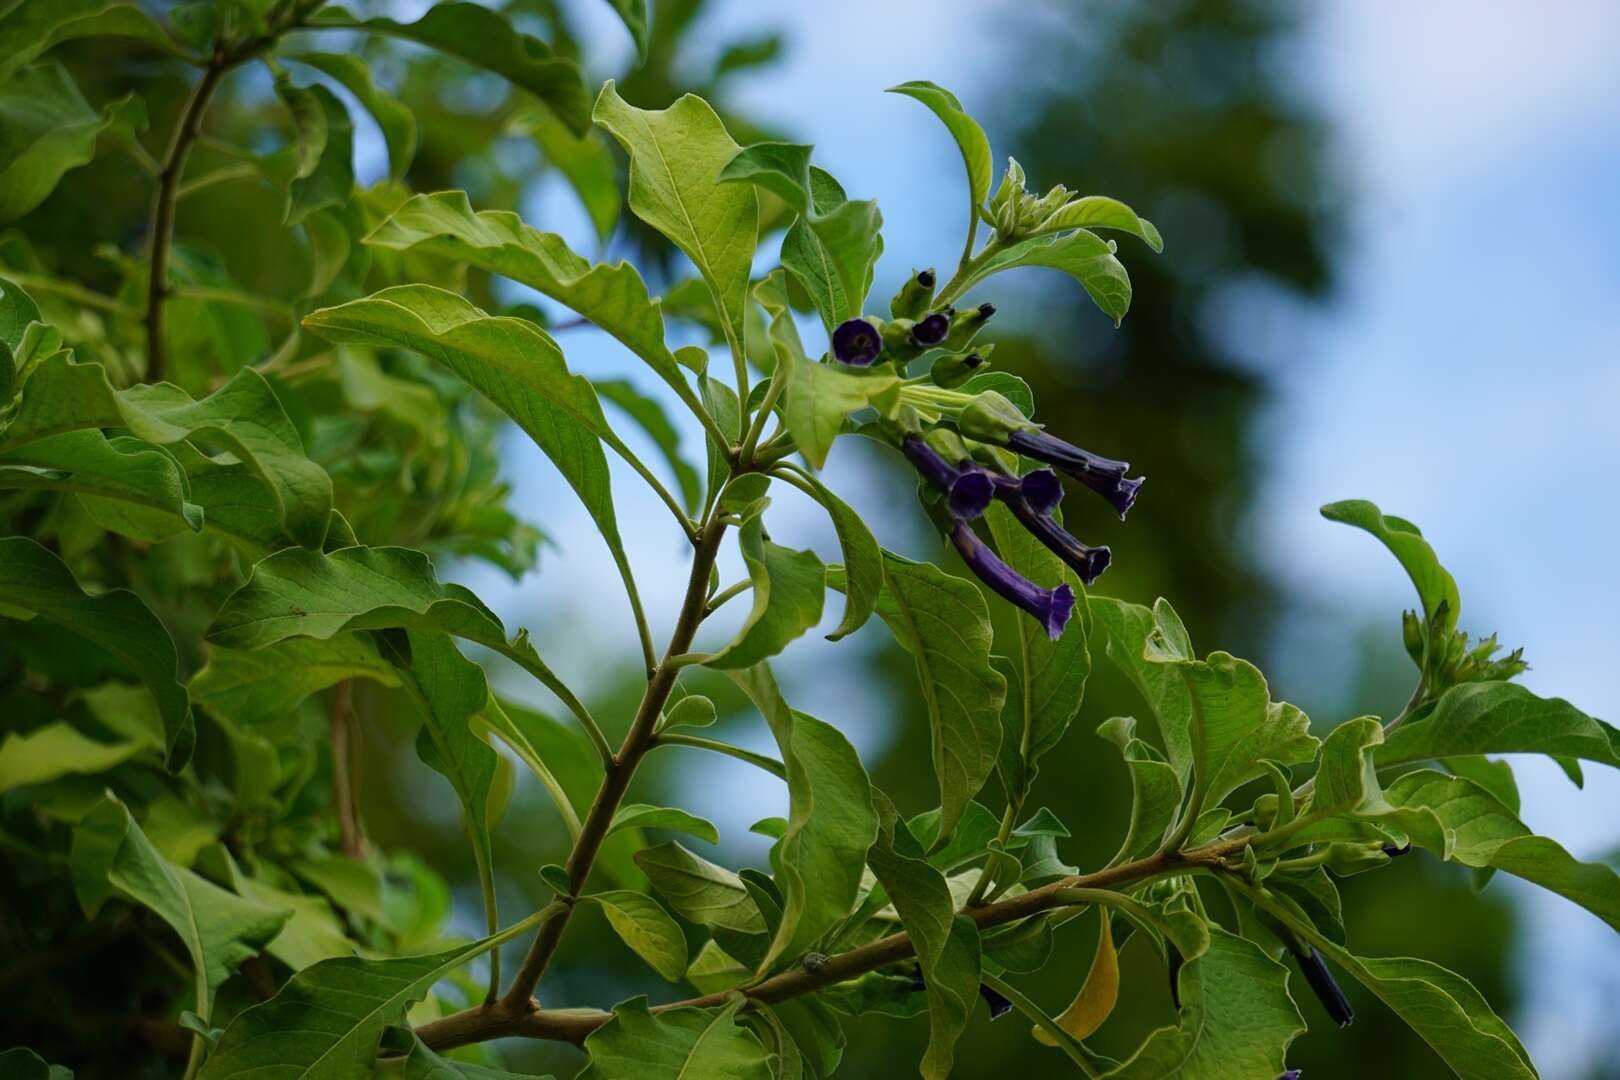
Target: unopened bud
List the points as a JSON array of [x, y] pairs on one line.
[[914, 296]]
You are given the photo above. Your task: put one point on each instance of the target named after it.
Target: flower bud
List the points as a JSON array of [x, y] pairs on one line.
[[965, 325], [914, 296], [1322, 983], [989, 417], [857, 342], [1345, 859], [952, 371]]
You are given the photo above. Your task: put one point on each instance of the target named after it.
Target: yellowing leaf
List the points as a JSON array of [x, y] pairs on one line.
[[1097, 996]]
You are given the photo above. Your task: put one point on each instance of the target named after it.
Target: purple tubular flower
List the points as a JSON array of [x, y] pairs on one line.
[[930, 331], [857, 342], [1327, 991], [967, 491], [1050, 607], [1103, 475], [1042, 490], [1086, 561], [999, 1006], [1291, 1074]]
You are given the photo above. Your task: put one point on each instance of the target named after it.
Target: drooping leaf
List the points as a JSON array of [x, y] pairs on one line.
[[326, 1021], [256, 686], [1050, 676], [1236, 1018], [831, 821], [643, 816], [942, 621], [647, 928], [483, 38], [112, 857], [33, 27], [676, 155], [59, 749], [323, 150], [1084, 256], [513, 363], [1436, 587], [789, 588], [947, 945], [677, 1044], [244, 415], [969, 136], [35, 582], [1098, 994], [863, 559], [612, 296], [397, 122]]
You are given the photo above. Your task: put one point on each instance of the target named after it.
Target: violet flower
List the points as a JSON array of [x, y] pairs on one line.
[[967, 491], [857, 343], [1291, 1074], [1322, 983], [1050, 607], [931, 330], [1103, 475], [1041, 489]]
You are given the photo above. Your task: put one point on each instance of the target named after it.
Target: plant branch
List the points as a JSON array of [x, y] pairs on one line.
[[517, 1001], [174, 164], [573, 1025], [340, 715]]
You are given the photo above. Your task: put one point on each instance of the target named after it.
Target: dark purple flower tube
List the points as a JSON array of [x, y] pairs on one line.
[[857, 342], [1103, 475], [967, 491], [1327, 990], [999, 1006], [1042, 490], [1291, 1074], [931, 330], [1086, 561], [1050, 607]]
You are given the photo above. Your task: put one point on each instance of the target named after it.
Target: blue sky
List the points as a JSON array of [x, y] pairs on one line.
[[1465, 376]]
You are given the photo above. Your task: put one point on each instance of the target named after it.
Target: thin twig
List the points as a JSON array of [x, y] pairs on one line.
[[340, 714]]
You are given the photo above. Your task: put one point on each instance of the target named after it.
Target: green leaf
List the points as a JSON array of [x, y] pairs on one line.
[[323, 148], [863, 559], [699, 890], [33, 27], [820, 396], [513, 363], [835, 243], [942, 621], [422, 1063], [398, 124], [947, 945], [37, 583], [1045, 693], [1501, 718], [1461, 821], [969, 136], [1346, 777], [1102, 212], [1234, 723], [789, 589], [1127, 627], [676, 155], [128, 486], [612, 296], [643, 816], [1435, 586], [1446, 1010], [111, 856], [58, 749], [1236, 1018], [635, 16], [676, 1044], [451, 692], [257, 686], [46, 129], [243, 416], [312, 932], [1155, 790], [649, 415], [1084, 256], [485, 39], [831, 821], [21, 1063], [326, 1021], [647, 928]]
